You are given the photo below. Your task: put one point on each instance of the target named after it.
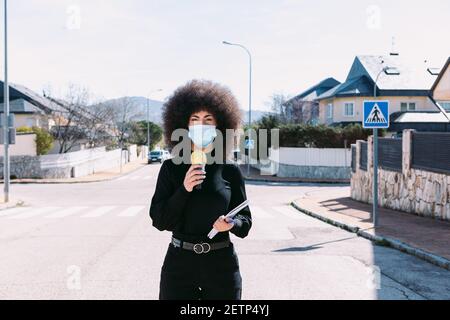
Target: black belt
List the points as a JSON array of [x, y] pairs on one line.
[[201, 247]]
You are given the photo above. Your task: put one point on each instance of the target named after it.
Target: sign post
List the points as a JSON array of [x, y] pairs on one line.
[[375, 116]]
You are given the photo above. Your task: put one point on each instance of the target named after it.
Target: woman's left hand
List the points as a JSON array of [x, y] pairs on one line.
[[223, 224]]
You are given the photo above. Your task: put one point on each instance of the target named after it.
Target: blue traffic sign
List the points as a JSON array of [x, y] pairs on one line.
[[249, 144], [376, 114]]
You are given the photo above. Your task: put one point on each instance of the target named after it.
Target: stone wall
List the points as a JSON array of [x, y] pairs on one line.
[[421, 192]]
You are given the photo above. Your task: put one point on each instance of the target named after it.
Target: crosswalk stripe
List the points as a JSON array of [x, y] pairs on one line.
[[8, 212], [131, 211], [259, 212], [65, 212], [34, 212], [98, 212], [289, 212]]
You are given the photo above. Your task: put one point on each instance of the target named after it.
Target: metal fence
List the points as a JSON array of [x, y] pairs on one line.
[[390, 154], [431, 151], [363, 156], [353, 158]]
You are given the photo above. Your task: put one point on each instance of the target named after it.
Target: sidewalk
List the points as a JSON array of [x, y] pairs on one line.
[[108, 174], [424, 237]]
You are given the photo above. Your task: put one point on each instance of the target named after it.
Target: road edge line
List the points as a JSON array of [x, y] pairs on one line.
[[381, 240]]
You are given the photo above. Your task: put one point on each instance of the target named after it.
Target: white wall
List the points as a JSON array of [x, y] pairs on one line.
[[326, 157], [25, 145]]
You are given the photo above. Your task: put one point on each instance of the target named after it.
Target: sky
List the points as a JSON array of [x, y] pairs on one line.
[[134, 47]]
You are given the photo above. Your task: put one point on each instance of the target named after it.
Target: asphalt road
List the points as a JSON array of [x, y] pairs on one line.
[[96, 241]]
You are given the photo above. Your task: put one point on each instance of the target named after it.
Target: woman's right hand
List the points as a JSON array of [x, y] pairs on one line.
[[194, 176]]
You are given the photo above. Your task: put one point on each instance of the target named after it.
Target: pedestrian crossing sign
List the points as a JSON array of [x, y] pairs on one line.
[[376, 114]]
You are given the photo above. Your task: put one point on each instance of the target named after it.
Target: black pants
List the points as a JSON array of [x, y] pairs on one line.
[[186, 275]]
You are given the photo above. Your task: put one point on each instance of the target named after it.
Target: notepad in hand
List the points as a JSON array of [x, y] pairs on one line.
[[230, 214]]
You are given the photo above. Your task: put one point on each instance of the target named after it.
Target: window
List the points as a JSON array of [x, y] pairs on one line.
[[329, 111], [349, 109], [445, 105], [405, 106]]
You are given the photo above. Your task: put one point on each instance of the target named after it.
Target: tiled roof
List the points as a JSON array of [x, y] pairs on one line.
[[419, 117], [316, 90], [413, 76], [20, 92]]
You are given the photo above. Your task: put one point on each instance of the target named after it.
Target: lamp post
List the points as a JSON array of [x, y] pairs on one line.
[[249, 95], [388, 71], [148, 118], [6, 170]]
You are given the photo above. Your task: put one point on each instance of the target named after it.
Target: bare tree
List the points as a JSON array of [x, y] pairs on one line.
[[124, 113], [277, 105], [68, 118], [75, 122], [100, 125]]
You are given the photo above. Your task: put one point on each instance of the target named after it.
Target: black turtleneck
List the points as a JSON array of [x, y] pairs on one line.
[[191, 215]]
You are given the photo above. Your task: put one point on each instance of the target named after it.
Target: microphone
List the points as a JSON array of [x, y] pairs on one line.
[[199, 157]]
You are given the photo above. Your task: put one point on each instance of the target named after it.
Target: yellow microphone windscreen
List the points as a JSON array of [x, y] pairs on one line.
[[198, 157]]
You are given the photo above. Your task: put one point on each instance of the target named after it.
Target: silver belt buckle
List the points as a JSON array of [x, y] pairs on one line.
[[205, 248]]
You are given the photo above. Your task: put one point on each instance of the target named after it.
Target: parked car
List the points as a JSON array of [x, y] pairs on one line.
[[158, 156]]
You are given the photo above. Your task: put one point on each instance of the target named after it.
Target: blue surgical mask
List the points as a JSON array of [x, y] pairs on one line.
[[202, 135]]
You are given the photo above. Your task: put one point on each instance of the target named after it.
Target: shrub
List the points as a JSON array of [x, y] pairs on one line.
[[44, 140], [321, 136]]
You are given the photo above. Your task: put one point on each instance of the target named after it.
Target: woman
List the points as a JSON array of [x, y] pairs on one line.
[[196, 267]]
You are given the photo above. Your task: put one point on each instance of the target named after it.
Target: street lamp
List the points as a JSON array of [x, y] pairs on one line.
[[148, 118], [249, 95], [388, 71], [6, 170]]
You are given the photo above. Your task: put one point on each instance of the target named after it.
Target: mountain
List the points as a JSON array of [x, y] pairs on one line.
[[137, 107]]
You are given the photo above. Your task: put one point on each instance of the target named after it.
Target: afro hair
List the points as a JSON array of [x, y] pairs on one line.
[[200, 95]]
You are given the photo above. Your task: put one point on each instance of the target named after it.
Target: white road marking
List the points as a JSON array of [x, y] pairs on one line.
[[66, 212], [98, 212], [131, 211], [269, 230], [34, 212], [289, 212], [260, 213], [11, 211]]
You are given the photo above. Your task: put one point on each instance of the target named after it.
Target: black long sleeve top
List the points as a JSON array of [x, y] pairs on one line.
[[191, 215]]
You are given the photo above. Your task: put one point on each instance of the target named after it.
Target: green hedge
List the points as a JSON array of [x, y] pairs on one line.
[[321, 136]]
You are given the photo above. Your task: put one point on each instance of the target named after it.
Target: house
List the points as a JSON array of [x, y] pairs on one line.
[[409, 90], [29, 108], [303, 108], [437, 120], [440, 91]]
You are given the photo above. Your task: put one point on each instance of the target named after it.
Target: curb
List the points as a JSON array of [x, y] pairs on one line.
[[391, 242], [15, 205], [298, 181]]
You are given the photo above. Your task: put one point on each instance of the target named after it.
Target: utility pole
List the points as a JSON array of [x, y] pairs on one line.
[[6, 173], [249, 97]]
